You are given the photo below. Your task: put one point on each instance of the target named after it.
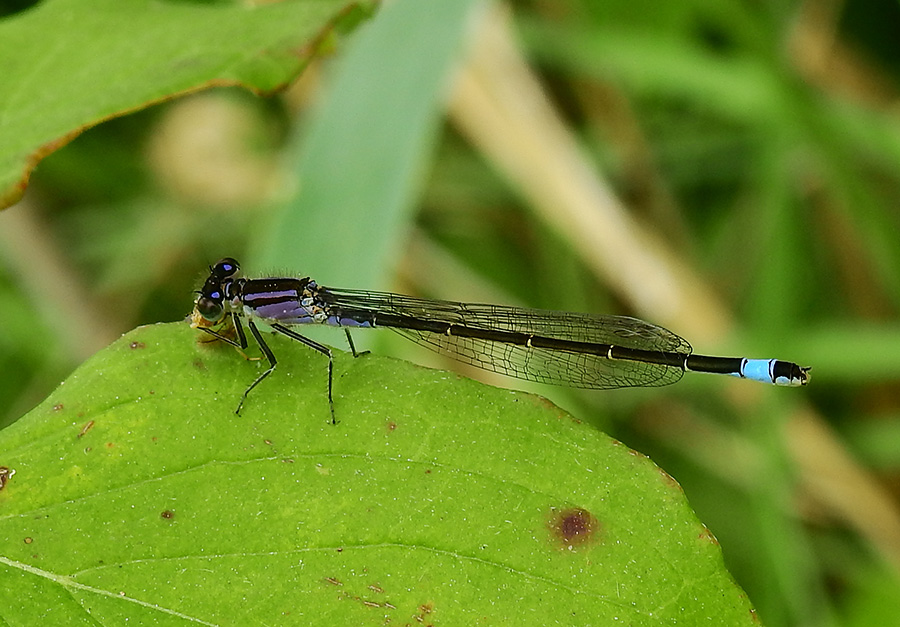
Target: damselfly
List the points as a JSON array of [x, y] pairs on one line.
[[562, 348]]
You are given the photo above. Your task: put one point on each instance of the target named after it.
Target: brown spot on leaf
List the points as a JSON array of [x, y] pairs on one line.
[[57, 407], [137, 345], [29, 540], [87, 427], [167, 514], [348, 596], [391, 425], [5, 475], [333, 581], [574, 527], [670, 480], [425, 610], [707, 535]]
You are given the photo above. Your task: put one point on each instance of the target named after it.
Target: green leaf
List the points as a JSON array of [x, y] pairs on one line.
[[139, 495], [71, 64]]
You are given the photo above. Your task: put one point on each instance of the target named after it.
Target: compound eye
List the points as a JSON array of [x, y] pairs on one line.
[[210, 306], [226, 268]]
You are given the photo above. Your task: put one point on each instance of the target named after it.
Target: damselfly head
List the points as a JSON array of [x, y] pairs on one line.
[[209, 304], [209, 307], [226, 268]]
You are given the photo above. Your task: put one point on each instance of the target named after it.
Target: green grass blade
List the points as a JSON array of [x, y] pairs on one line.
[[365, 153]]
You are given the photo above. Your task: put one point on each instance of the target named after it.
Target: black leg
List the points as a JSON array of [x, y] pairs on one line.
[[266, 351], [239, 329], [219, 336], [316, 347], [350, 342]]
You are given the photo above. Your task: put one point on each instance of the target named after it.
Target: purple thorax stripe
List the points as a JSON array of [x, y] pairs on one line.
[[281, 305]]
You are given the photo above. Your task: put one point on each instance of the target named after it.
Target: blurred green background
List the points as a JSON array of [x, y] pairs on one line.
[[727, 169]]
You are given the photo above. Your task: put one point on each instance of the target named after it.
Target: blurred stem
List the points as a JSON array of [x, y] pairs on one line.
[[57, 292], [838, 481], [827, 61], [500, 106]]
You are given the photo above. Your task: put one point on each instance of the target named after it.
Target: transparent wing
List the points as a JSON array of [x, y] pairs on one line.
[[577, 369]]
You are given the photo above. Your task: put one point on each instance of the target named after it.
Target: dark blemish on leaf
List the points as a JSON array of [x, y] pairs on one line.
[[424, 610], [287, 460], [87, 427], [546, 403], [29, 540], [339, 550], [428, 471], [167, 514], [334, 581], [670, 480], [574, 527], [137, 345], [374, 587], [109, 445], [5, 475], [268, 441], [57, 407], [391, 425], [347, 596], [198, 364], [707, 535]]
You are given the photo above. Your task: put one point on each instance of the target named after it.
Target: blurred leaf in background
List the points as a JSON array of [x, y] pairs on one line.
[[726, 169]]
